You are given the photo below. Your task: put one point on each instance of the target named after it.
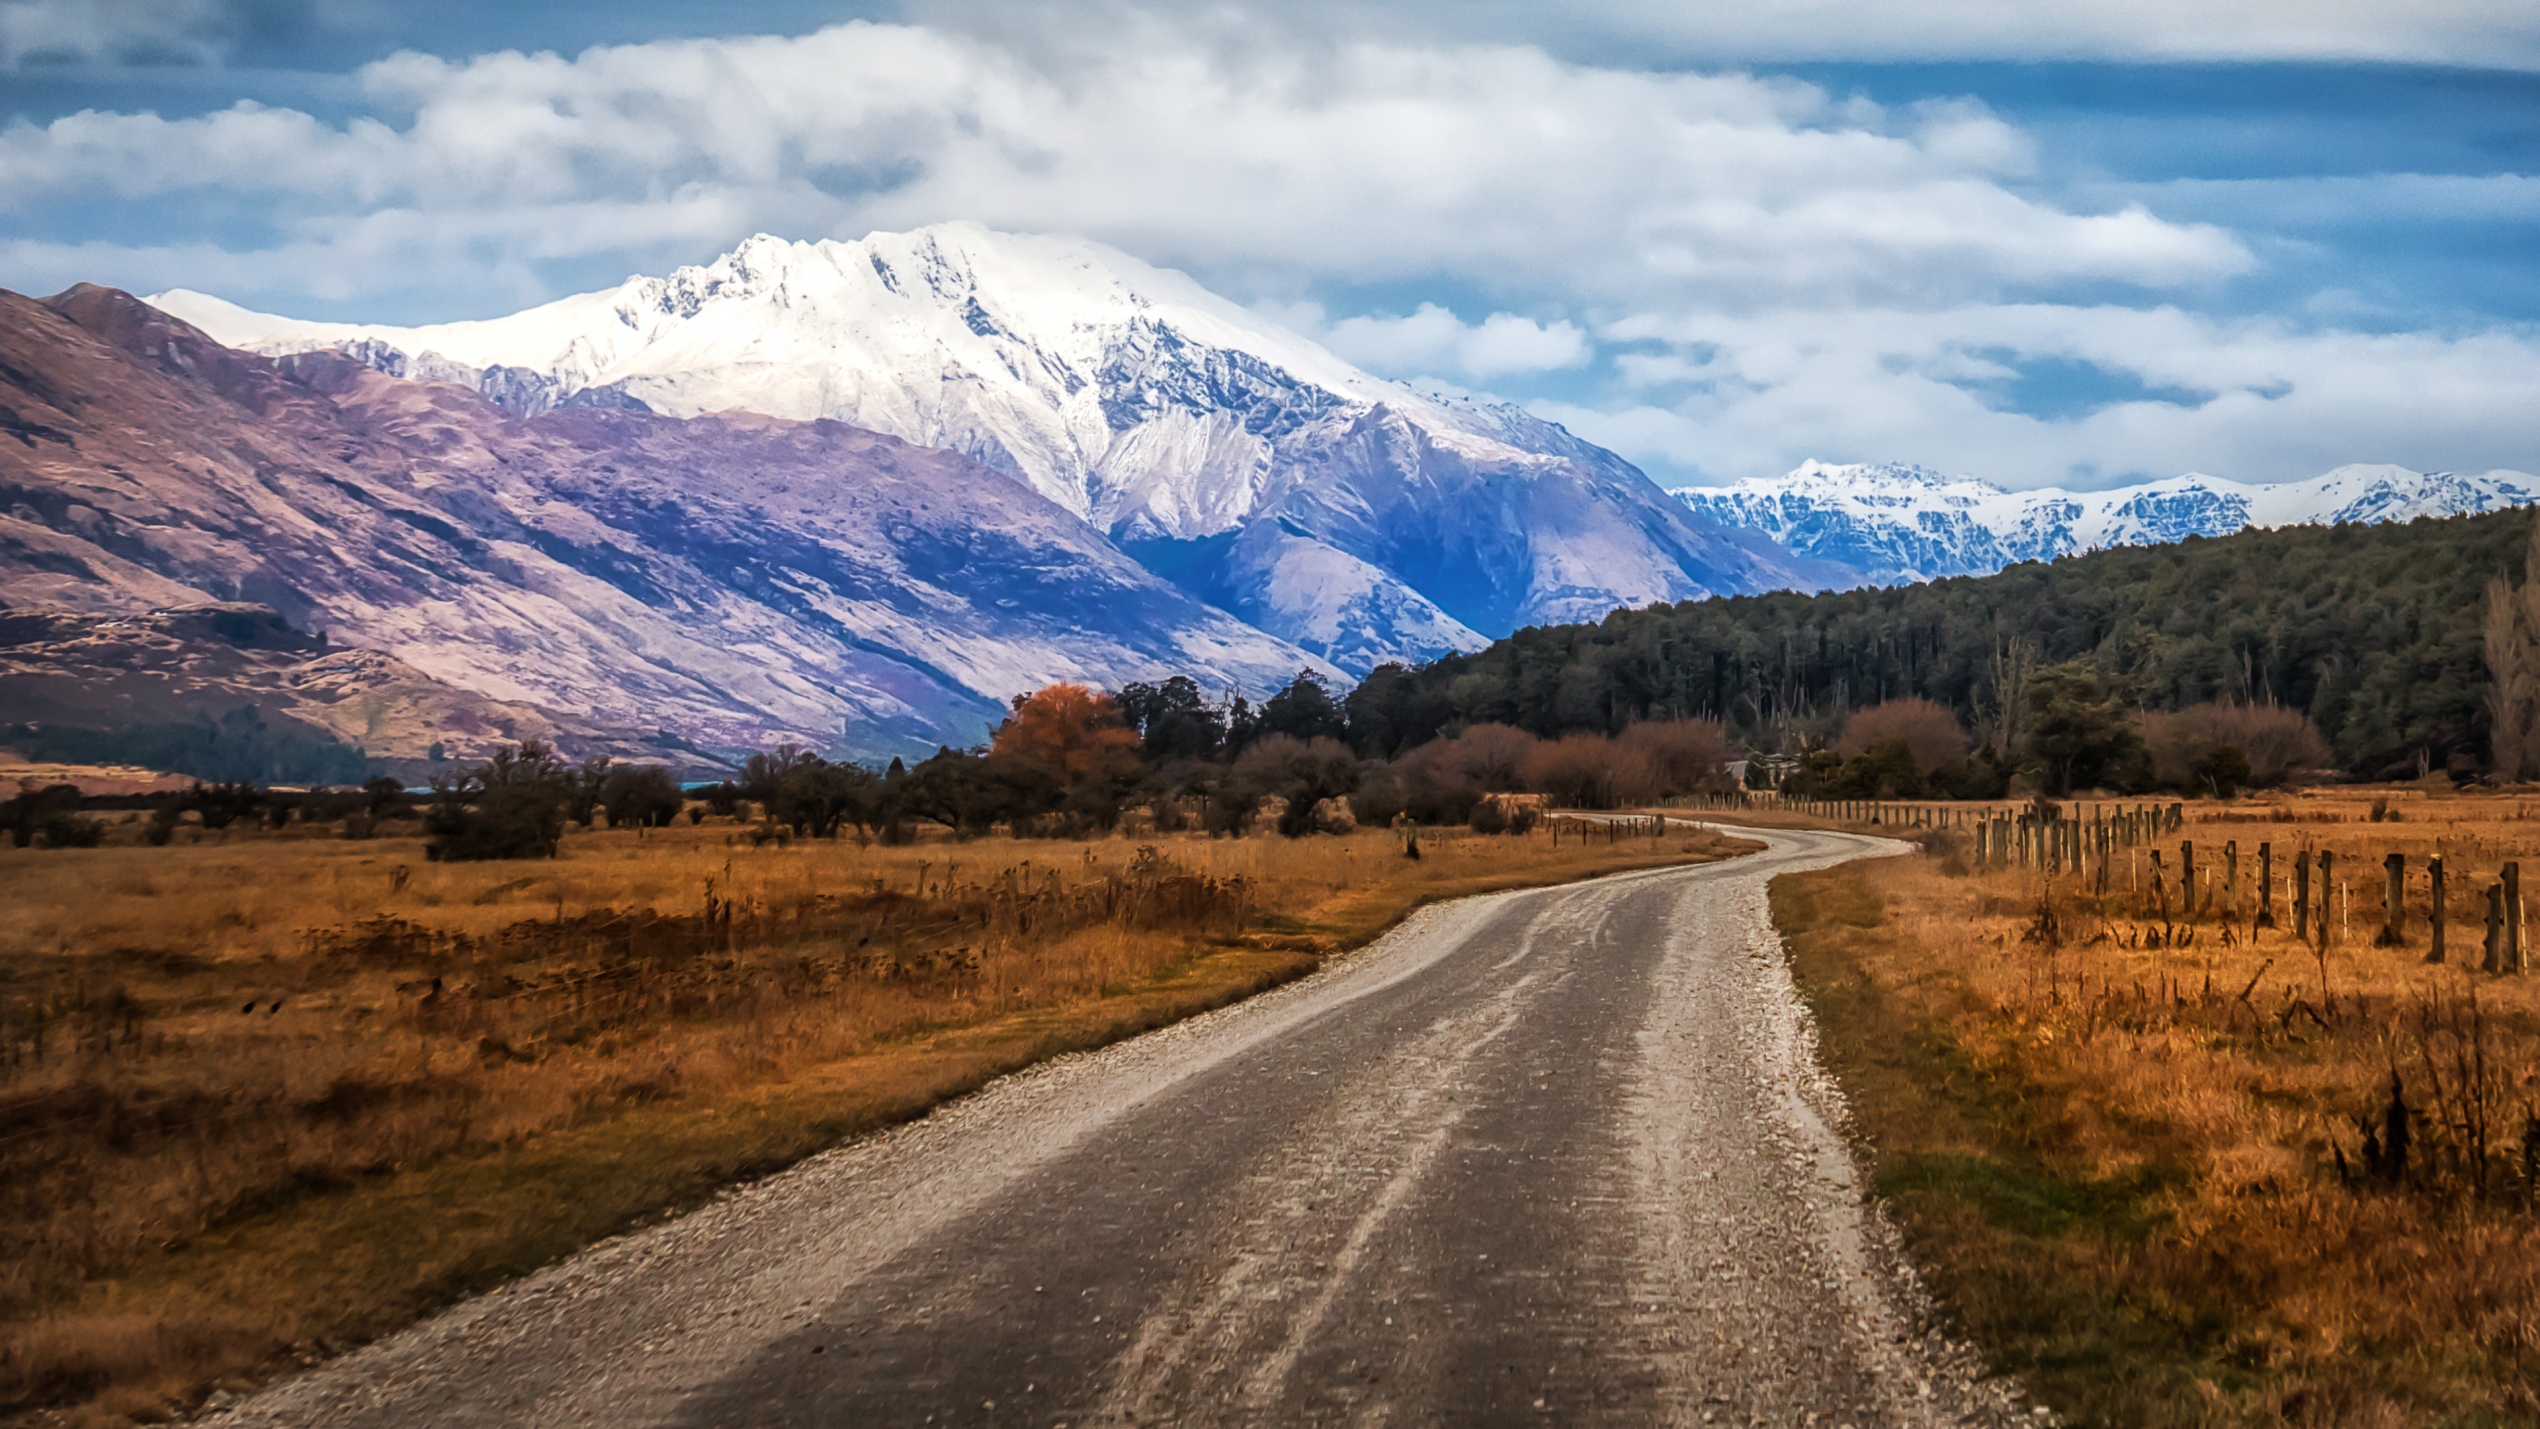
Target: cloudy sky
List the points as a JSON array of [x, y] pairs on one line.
[[2074, 243]]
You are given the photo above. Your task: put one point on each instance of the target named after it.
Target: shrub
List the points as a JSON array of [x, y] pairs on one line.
[[817, 796], [641, 795], [221, 805], [2079, 734], [35, 810], [1587, 771], [1683, 756], [2219, 748], [1304, 773], [1928, 730], [510, 807]]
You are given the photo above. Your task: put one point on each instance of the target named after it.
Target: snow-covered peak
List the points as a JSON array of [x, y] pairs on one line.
[[1897, 523], [1120, 390]]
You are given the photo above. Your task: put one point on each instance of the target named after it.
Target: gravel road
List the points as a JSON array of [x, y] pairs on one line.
[[1557, 1156]]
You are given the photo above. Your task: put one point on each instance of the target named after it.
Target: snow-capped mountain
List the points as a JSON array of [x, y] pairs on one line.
[[1897, 524], [1356, 517], [727, 580]]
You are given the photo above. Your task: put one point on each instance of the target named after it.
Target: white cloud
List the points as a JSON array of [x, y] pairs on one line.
[[1434, 342], [1727, 397], [1270, 169], [1775, 272], [2482, 33]]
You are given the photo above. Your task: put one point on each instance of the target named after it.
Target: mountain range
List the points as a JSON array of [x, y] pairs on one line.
[[1355, 518], [1895, 524], [860, 495], [721, 581]]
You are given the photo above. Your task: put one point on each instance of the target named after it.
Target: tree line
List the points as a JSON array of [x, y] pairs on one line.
[[2376, 634]]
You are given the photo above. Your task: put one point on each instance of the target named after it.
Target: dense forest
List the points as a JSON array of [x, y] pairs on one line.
[[2372, 631]]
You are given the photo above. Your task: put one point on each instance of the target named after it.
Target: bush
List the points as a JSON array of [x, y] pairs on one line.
[[221, 805], [816, 797], [643, 796], [1588, 771], [723, 797], [510, 807], [2220, 748], [1929, 731], [1683, 756], [36, 810], [2080, 736], [1304, 773]]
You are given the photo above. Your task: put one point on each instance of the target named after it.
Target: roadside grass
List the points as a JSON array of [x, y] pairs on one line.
[[476, 1069], [2122, 1177]]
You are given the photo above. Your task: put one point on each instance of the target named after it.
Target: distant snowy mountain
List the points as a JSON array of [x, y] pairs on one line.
[[1354, 517], [723, 581], [1898, 524]]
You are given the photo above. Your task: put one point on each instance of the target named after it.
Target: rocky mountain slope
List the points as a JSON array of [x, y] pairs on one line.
[[1355, 517], [199, 665], [1899, 524], [726, 580]]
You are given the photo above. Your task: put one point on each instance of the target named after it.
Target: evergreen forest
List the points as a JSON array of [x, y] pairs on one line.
[[2373, 632]]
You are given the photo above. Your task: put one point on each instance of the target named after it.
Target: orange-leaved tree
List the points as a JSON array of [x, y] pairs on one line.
[[1073, 730]]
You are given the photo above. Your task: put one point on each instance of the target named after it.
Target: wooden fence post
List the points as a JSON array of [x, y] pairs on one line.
[[2328, 890], [2513, 918], [2266, 886], [2302, 896], [2161, 890], [2434, 922], [2394, 870], [2187, 881], [2494, 961]]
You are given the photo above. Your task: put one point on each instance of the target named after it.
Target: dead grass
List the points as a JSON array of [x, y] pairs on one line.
[[266, 1096], [2131, 1152]]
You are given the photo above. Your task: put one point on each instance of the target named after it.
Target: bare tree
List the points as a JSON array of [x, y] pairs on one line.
[[2511, 636], [2002, 709]]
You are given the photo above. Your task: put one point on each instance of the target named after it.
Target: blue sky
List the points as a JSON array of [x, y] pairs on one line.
[[2075, 244]]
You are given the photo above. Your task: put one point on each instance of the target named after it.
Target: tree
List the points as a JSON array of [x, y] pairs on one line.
[[1927, 728], [582, 805], [2079, 735], [1305, 710], [2266, 744], [2509, 638], [1302, 772], [223, 804], [1683, 756], [1173, 719], [49, 813], [512, 806], [764, 772], [817, 796], [1074, 730], [643, 796]]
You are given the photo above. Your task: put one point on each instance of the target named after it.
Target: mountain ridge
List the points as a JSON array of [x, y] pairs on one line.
[[735, 580], [1131, 396], [1897, 523]]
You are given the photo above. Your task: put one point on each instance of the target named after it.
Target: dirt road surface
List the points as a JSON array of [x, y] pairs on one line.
[[1550, 1157]]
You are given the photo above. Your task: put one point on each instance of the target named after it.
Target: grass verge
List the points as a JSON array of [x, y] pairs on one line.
[[2127, 1156]]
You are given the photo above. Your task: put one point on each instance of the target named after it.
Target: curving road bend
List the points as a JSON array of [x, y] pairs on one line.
[[1559, 1156]]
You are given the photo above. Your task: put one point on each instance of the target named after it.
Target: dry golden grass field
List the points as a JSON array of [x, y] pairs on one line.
[[2150, 1162], [267, 1095]]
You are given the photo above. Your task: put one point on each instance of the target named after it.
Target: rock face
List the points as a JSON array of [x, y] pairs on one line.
[[1899, 524], [1355, 517], [725, 580]]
